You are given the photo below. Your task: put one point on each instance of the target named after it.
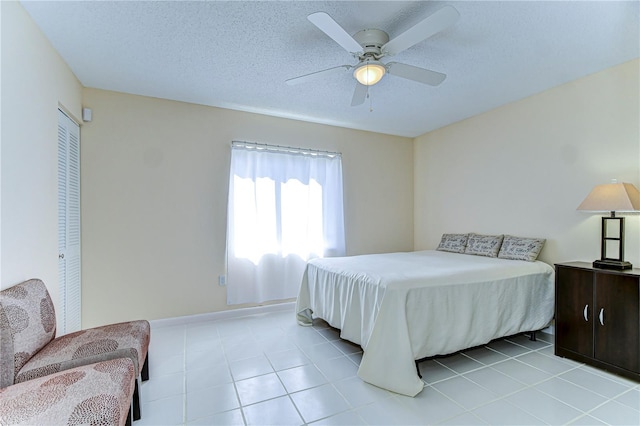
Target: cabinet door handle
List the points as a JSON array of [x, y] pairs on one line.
[[601, 316], [584, 313]]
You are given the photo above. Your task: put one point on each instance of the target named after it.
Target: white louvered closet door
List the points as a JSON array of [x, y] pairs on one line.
[[69, 224]]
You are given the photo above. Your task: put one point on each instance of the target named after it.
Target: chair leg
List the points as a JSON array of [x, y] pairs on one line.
[[136, 402], [145, 369], [128, 421]]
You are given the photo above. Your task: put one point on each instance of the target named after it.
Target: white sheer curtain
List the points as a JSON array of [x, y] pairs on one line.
[[285, 207]]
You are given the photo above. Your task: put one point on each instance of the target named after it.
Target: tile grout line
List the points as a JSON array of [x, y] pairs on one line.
[[323, 375], [233, 379], [283, 385], [545, 351], [557, 375], [498, 398]]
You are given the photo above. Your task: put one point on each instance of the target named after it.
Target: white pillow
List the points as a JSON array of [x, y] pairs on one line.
[[518, 248], [455, 243], [484, 245]]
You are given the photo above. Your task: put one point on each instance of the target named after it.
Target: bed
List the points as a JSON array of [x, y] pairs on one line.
[[401, 307]]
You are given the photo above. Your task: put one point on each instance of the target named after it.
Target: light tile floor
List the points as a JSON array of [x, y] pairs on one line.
[[267, 370]]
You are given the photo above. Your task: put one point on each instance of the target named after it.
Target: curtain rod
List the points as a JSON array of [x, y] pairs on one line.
[[282, 148]]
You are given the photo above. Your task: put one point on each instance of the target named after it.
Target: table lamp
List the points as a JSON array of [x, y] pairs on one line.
[[613, 197]]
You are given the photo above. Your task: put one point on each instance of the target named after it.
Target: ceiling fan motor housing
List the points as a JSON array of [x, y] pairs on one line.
[[372, 41]]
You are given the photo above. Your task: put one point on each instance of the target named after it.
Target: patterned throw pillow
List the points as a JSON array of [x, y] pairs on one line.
[[484, 245], [517, 248], [454, 243]]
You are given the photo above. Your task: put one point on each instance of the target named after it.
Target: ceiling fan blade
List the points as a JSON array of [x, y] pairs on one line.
[[429, 26], [359, 94], [331, 28], [421, 75], [315, 75]]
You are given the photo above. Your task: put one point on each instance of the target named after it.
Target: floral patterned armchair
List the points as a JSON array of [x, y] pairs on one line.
[[30, 350]]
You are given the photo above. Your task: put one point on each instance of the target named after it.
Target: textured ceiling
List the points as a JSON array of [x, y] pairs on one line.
[[238, 54]]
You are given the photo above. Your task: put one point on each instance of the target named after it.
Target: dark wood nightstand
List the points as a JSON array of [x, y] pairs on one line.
[[598, 317]]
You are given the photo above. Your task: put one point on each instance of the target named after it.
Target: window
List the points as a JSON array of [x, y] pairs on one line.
[[285, 207]]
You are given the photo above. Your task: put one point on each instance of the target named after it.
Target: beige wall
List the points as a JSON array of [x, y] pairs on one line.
[[154, 179], [35, 81], [154, 194], [522, 169]]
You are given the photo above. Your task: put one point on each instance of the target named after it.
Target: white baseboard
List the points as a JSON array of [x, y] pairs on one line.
[[230, 314]]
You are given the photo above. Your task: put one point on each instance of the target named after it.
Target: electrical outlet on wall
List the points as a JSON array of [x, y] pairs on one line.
[[222, 280]]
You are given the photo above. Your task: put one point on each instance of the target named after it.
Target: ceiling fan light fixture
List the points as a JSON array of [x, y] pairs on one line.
[[369, 72]]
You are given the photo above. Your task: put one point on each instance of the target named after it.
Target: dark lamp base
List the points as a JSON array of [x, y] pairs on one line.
[[612, 264]]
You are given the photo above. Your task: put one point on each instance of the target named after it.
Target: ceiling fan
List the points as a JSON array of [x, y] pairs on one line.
[[370, 45]]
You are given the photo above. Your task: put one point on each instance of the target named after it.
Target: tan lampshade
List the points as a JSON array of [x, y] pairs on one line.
[[619, 197]]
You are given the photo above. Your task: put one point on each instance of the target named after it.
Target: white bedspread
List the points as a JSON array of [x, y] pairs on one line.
[[405, 306]]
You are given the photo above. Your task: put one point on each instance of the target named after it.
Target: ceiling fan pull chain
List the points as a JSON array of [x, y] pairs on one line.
[[370, 100]]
